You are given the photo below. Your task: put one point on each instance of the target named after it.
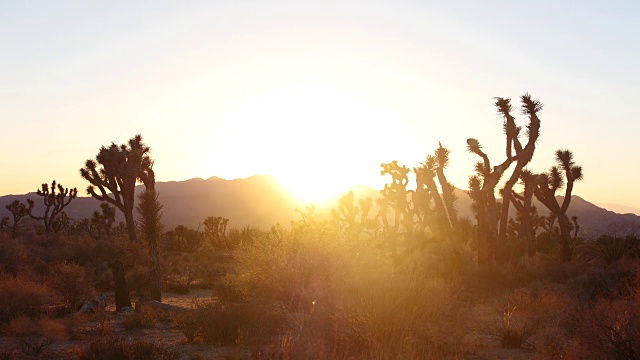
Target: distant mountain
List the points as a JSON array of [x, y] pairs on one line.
[[620, 209], [261, 201]]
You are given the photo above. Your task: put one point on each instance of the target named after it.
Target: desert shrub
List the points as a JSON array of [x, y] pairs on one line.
[[70, 280], [74, 325], [610, 250], [116, 348], [14, 256], [20, 295], [33, 336], [143, 319], [244, 236], [222, 324], [182, 239], [176, 287], [348, 298]]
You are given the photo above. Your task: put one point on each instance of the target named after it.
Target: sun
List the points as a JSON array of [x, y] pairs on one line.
[[318, 141]]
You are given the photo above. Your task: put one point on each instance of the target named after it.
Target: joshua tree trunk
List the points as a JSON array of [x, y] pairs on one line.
[[565, 234], [131, 226], [122, 290]]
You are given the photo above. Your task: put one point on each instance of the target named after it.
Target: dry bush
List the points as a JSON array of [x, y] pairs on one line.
[[74, 325], [20, 295], [116, 348], [222, 324], [14, 256], [70, 280], [526, 318], [348, 299], [33, 336], [143, 319]]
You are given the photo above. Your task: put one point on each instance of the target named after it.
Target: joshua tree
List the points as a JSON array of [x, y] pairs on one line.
[[100, 225], [54, 203], [492, 221], [151, 228], [527, 213], [446, 217], [18, 211], [346, 216], [215, 229], [396, 198], [547, 184], [117, 169], [524, 154]]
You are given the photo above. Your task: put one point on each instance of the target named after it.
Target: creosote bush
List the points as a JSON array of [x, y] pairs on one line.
[[20, 295], [71, 282], [116, 348]]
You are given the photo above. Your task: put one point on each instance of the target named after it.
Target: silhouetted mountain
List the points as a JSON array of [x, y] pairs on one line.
[[261, 201]]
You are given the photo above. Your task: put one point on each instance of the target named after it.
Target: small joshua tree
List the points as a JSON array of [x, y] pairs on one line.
[[215, 230], [101, 223], [18, 211], [352, 218], [547, 184], [54, 203]]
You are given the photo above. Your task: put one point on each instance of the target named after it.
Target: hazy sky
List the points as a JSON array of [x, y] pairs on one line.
[[315, 92]]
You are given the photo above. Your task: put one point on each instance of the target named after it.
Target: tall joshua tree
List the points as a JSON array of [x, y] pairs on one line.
[[492, 222], [54, 203], [117, 169], [547, 184], [524, 154]]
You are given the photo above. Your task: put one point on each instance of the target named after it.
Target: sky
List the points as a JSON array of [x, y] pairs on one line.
[[318, 94]]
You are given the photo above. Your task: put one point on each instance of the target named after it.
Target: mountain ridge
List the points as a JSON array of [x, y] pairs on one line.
[[260, 200]]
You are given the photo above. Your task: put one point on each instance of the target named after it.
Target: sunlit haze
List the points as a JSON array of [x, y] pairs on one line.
[[317, 95]]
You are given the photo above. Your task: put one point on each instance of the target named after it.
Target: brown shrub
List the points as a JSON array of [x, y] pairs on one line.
[[35, 336], [71, 282], [116, 348], [20, 295], [224, 324], [14, 256], [142, 320]]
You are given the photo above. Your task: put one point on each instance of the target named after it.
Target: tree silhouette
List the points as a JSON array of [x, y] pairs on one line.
[[100, 225], [443, 218], [547, 184], [215, 230], [54, 203], [352, 218], [117, 169], [18, 211], [527, 219], [492, 220]]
